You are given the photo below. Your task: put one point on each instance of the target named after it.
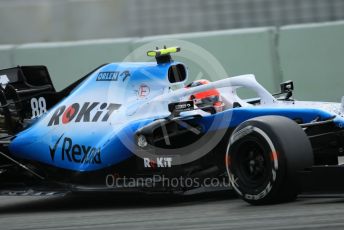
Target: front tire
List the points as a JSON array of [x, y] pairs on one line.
[[264, 156]]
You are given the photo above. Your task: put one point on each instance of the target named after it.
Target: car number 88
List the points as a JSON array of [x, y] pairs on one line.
[[38, 106]]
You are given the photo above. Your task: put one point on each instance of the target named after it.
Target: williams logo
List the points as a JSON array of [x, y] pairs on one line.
[[76, 153], [113, 76], [82, 113]]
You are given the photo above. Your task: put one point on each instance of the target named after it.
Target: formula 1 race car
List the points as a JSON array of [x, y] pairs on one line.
[[136, 127]]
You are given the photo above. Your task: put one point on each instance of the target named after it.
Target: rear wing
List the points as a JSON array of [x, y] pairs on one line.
[[26, 92], [33, 78]]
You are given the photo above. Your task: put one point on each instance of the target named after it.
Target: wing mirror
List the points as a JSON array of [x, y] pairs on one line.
[[287, 89]]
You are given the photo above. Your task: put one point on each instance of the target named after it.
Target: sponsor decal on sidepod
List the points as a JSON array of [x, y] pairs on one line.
[[82, 113], [75, 153]]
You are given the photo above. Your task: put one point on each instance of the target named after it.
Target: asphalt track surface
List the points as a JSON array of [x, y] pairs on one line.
[[216, 211]]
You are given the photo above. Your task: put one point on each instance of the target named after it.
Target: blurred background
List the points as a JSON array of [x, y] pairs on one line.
[[277, 40], [23, 21]]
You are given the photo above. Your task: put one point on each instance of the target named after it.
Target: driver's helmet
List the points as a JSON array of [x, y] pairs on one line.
[[209, 100]]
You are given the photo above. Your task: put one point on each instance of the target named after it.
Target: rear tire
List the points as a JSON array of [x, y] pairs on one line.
[[264, 156]]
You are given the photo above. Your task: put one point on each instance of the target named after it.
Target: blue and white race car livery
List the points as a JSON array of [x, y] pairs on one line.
[[139, 122]]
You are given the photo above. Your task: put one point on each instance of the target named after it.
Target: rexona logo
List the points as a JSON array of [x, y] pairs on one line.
[[82, 113], [113, 75], [75, 153], [160, 162]]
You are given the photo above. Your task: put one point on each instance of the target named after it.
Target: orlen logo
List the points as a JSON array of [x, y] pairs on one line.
[[76, 153], [78, 113], [113, 75]]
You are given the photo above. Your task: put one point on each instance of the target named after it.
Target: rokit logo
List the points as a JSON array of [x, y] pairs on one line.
[[75, 153], [160, 162], [78, 113]]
